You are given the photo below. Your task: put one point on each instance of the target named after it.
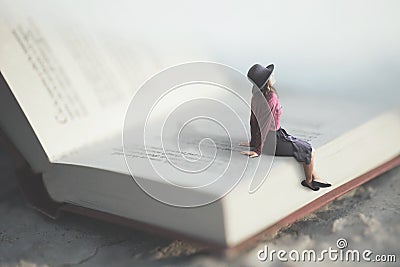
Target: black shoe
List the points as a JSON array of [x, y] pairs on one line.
[[314, 188], [320, 184]]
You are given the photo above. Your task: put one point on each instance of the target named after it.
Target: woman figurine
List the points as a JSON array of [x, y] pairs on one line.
[[267, 135]]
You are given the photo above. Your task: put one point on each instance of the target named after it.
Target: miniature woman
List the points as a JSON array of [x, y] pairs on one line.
[[267, 135]]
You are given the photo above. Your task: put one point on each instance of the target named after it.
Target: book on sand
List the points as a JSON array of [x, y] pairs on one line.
[[63, 98]]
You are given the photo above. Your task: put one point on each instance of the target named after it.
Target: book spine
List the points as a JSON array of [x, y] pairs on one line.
[[31, 184]]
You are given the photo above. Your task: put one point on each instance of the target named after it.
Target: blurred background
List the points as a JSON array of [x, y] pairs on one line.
[[350, 48]]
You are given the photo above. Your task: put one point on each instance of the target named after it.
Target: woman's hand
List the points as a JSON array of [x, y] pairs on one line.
[[250, 153], [244, 144]]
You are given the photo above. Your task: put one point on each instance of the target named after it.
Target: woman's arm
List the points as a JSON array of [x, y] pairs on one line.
[[260, 121], [254, 131], [263, 121], [255, 137], [255, 134]]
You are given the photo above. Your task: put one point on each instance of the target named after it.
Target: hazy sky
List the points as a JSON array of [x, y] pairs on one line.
[[350, 47]]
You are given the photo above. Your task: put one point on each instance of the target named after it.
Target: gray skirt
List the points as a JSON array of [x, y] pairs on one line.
[[288, 146]]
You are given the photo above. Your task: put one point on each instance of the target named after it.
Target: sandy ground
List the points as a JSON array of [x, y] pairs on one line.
[[367, 217]]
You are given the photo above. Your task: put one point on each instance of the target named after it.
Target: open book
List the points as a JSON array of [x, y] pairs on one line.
[[63, 96]]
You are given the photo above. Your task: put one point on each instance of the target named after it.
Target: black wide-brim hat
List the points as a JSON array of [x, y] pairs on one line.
[[259, 74]]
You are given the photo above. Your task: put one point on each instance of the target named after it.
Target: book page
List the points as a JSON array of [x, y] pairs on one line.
[[72, 80], [202, 159], [299, 119]]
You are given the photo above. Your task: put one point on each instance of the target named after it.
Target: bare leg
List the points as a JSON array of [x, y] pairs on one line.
[[318, 181], [315, 176], [309, 170]]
